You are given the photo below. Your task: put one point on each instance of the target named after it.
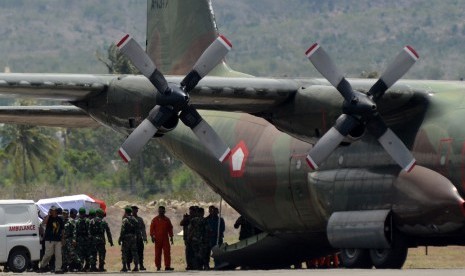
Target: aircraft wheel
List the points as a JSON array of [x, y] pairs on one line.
[[356, 258], [393, 258]]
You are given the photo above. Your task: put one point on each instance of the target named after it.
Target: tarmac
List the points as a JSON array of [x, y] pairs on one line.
[[290, 272]]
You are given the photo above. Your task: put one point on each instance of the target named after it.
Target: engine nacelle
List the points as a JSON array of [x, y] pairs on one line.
[[360, 229]]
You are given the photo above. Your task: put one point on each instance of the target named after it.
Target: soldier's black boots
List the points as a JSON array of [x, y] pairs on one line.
[[93, 269], [124, 269], [142, 267], [136, 268], [101, 268]]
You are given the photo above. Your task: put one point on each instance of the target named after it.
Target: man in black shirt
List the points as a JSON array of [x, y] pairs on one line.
[[53, 240]]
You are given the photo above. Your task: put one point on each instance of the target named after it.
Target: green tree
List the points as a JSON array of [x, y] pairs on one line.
[[116, 62], [29, 149]]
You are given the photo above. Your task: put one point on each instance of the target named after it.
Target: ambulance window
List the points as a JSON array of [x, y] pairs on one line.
[[16, 215]]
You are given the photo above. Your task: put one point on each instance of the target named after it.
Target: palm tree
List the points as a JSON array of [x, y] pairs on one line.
[[28, 147]]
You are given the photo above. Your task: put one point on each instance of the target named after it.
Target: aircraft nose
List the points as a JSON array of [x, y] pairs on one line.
[[462, 206], [428, 201]]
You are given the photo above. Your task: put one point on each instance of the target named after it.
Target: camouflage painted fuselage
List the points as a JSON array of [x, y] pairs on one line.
[[278, 191], [273, 186]]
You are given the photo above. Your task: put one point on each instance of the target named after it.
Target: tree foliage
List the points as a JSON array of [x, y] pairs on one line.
[[28, 150]]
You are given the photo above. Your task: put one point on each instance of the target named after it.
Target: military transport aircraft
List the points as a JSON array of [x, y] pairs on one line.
[[318, 164]]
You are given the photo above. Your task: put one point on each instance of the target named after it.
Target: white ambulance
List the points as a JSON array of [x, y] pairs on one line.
[[19, 234]]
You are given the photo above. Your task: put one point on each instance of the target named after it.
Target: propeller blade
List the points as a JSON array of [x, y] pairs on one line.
[[391, 143], [144, 132], [205, 133], [397, 149], [137, 140], [400, 65], [211, 140], [132, 50], [210, 58], [329, 142], [323, 63]]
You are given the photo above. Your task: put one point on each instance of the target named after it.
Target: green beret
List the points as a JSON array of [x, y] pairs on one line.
[[99, 211], [91, 212], [128, 209], [82, 211]]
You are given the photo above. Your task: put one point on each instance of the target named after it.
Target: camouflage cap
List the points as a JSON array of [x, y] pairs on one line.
[[92, 212], [53, 208], [65, 211], [82, 211], [128, 209]]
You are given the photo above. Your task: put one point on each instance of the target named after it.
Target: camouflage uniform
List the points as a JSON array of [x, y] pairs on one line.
[[206, 249], [141, 238], [128, 240], [97, 229], [83, 241], [198, 241], [188, 248], [71, 259]]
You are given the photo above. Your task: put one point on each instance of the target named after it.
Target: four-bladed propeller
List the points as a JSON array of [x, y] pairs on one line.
[[173, 100], [360, 110]]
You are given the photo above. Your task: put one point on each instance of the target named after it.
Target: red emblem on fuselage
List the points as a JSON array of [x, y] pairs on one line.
[[238, 159]]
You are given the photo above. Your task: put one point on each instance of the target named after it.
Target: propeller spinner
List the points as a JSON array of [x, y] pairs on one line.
[[360, 110], [174, 100]]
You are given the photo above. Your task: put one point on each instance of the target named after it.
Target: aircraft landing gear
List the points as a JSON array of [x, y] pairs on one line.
[[393, 258], [356, 258]]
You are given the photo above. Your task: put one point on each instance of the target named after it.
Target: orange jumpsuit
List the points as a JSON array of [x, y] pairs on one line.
[[161, 230]]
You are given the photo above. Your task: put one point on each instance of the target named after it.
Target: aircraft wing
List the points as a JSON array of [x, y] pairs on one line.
[[64, 87], [241, 94], [60, 87], [51, 116], [245, 94]]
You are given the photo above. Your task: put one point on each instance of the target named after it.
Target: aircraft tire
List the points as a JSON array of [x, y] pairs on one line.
[[392, 258], [356, 258]]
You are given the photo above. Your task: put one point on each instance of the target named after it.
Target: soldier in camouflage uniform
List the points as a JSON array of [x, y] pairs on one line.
[[71, 261], [185, 228], [198, 239], [128, 238], [83, 239], [97, 228], [92, 249], [205, 241], [141, 237]]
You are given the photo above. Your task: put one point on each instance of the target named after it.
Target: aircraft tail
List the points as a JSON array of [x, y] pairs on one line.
[[178, 31]]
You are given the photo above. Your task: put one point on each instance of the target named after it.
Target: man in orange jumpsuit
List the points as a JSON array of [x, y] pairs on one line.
[[161, 231]]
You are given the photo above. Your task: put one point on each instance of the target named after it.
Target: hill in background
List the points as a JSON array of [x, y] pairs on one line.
[[269, 37]]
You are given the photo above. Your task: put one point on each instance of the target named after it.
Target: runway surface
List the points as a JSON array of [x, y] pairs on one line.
[[291, 272]]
